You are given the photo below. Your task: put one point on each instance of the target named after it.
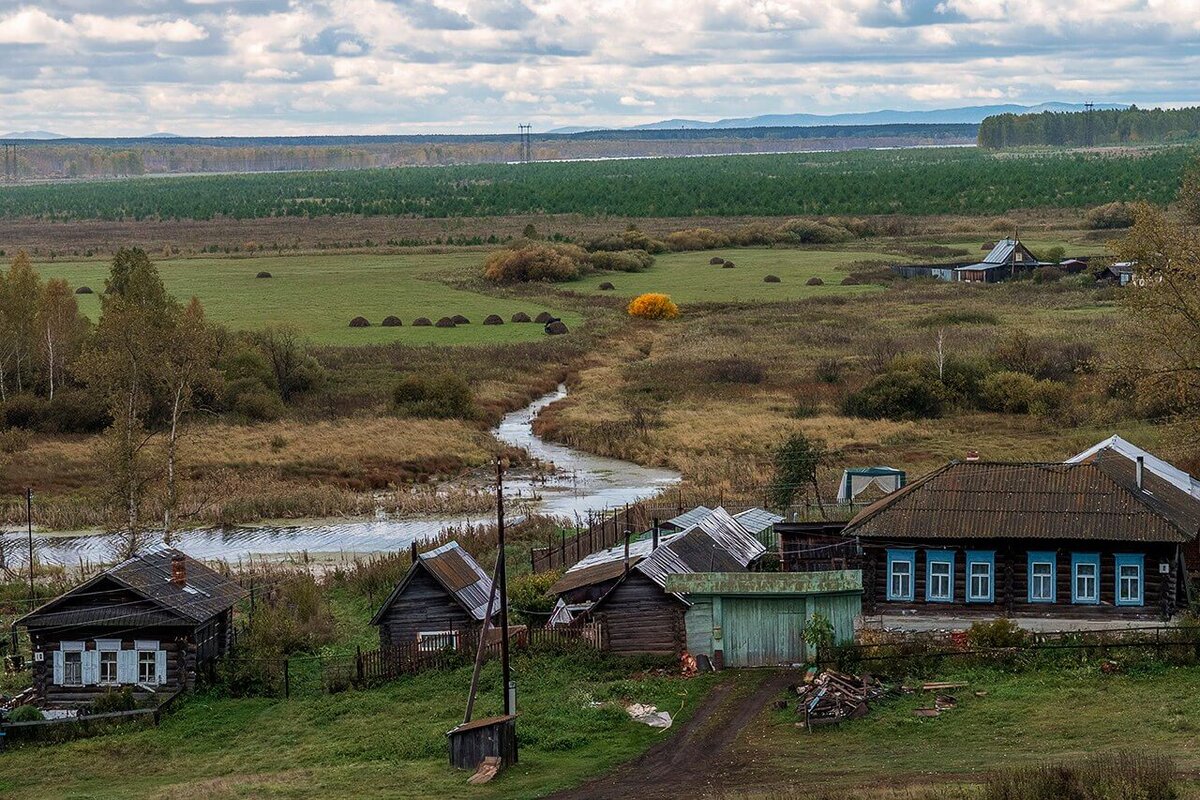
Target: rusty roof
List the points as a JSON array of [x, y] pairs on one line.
[[595, 573], [1097, 500], [456, 571]]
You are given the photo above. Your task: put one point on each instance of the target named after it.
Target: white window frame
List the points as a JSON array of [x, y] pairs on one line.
[[907, 558], [1137, 578], [1088, 562], [67, 652], [436, 641], [1037, 560], [986, 560], [153, 661], [115, 680], [939, 560]]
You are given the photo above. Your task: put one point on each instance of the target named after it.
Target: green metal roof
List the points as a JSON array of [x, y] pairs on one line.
[[766, 583]]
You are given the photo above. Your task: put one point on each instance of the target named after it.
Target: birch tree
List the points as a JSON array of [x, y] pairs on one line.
[[60, 330], [19, 294]]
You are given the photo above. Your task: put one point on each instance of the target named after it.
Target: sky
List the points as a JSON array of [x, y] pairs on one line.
[[277, 67]]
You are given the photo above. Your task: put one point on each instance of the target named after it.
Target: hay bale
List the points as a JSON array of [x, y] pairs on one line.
[[521, 316], [544, 317], [815, 281], [84, 290], [493, 319], [421, 322], [263, 274], [606, 287], [391, 321], [444, 322], [851, 281], [459, 319], [728, 265], [771, 279], [716, 260], [360, 322], [556, 328]]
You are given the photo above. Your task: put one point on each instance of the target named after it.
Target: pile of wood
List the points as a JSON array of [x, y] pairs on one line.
[[828, 697]]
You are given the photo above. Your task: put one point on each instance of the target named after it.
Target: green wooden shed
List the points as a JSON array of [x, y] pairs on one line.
[[756, 619]]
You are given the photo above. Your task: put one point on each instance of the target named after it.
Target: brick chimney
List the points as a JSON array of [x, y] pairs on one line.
[[179, 569], [972, 455]]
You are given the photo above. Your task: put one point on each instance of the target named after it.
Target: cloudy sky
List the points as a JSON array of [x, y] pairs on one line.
[[84, 67]]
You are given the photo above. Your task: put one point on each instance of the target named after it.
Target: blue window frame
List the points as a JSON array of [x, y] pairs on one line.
[[981, 576], [1131, 573], [901, 574], [1085, 578], [939, 576], [1043, 576]]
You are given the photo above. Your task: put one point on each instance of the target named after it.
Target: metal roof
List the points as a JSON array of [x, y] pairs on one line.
[[204, 593], [1168, 472], [589, 576], [1092, 501], [732, 536], [757, 520], [689, 518], [456, 571], [766, 583]]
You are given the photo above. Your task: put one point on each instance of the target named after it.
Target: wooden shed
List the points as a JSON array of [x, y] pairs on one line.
[[442, 598], [149, 623], [757, 619]]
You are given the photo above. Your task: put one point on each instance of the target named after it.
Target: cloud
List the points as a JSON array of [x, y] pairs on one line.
[[296, 66]]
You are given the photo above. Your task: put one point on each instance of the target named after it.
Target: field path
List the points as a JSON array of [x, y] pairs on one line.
[[693, 760]]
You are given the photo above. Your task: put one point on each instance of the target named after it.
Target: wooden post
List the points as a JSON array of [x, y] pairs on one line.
[[505, 669]]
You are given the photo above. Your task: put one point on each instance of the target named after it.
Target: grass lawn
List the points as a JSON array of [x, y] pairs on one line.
[[320, 294], [383, 743], [1026, 718]]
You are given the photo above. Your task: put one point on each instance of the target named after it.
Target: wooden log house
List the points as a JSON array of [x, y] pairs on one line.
[[149, 623], [1102, 535]]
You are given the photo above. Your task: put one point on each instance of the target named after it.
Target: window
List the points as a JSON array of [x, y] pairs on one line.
[[1041, 577], [108, 666], [1085, 578], [73, 668], [1129, 579], [939, 582], [901, 566], [147, 667], [434, 641], [981, 566]]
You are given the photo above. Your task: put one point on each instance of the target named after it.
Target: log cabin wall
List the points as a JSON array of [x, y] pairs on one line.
[[1160, 591], [424, 605], [176, 642], [639, 617]]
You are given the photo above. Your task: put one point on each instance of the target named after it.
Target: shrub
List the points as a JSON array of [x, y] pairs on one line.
[[806, 231], [771, 279], [653, 306], [622, 260], [829, 369], [26, 713], [294, 617], [753, 233], [24, 411], [814, 281], [114, 700], [531, 599], [391, 321], [263, 274], [898, 395], [1047, 275], [259, 406], [629, 239], [1000, 632], [360, 322], [75, 411], [1109, 216], [1048, 398], [436, 397], [84, 290], [1001, 225], [736, 370], [14, 440], [696, 239], [1008, 392], [535, 262], [521, 316]]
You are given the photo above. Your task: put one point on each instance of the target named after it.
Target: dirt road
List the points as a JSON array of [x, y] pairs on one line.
[[694, 759]]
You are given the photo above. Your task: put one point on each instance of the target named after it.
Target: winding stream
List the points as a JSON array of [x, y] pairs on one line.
[[580, 483]]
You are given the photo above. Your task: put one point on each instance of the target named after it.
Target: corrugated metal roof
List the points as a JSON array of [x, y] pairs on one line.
[[1001, 252], [766, 583], [757, 520], [1169, 472], [204, 594], [461, 576], [729, 533], [689, 518], [589, 576], [1029, 501]]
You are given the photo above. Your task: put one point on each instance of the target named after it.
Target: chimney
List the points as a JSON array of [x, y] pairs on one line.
[[627, 535], [1140, 470], [179, 569], [654, 542], [413, 551], [972, 455]]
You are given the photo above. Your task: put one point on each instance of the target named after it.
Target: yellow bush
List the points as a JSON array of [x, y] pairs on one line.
[[653, 306]]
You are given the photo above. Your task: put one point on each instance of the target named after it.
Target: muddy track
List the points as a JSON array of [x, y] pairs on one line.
[[691, 760]]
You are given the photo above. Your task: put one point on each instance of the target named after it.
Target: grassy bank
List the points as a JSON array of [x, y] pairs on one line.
[[385, 743]]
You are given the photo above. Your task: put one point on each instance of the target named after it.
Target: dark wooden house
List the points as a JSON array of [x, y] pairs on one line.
[[1007, 259], [1104, 536], [150, 622], [441, 599], [816, 547]]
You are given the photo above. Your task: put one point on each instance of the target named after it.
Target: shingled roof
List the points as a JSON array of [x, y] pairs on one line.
[[1095, 500], [204, 594], [457, 572]]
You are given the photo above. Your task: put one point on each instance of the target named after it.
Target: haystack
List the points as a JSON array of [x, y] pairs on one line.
[[360, 322], [521, 316], [421, 322], [263, 274], [493, 319], [84, 290], [391, 321], [459, 319], [544, 317], [606, 287], [716, 260], [771, 279], [444, 322], [815, 281], [556, 328], [851, 281], [728, 265]]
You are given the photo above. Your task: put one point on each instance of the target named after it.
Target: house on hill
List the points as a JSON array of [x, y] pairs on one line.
[[150, 622], [1100, 535], [1007, 259], [442, 598]]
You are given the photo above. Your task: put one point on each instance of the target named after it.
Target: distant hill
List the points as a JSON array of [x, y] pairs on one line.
[[965, 115], [32, 135], [162, 135]]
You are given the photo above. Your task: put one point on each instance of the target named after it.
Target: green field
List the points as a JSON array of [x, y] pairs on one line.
[[319, 295]]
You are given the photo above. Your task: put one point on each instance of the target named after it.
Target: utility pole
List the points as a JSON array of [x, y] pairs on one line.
[[510, 699], [29, 528], [1089, 134], [526, 149]]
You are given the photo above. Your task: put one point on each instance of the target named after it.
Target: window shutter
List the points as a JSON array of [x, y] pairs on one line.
[[127, 666], [160, 666], [58, 667], [91, 667]]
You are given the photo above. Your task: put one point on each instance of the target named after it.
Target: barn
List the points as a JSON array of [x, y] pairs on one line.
[[1007, 259], [149, 623], [442, 598]]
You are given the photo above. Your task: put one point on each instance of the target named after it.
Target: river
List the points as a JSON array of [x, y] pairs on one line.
[[579, 483]]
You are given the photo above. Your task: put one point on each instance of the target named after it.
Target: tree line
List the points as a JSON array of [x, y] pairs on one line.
[[1082, 129], [916, 182]]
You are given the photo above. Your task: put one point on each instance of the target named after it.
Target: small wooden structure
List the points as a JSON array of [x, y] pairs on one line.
[[472, 742], [439, 604], [756, 619]]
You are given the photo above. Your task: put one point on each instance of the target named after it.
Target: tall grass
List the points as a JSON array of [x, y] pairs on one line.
[[1123, 775]]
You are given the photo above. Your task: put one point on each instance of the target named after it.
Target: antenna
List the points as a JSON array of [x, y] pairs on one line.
[[526, 133]]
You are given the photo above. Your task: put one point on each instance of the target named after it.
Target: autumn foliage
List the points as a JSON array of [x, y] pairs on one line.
[[653, 306], [535, 262]]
